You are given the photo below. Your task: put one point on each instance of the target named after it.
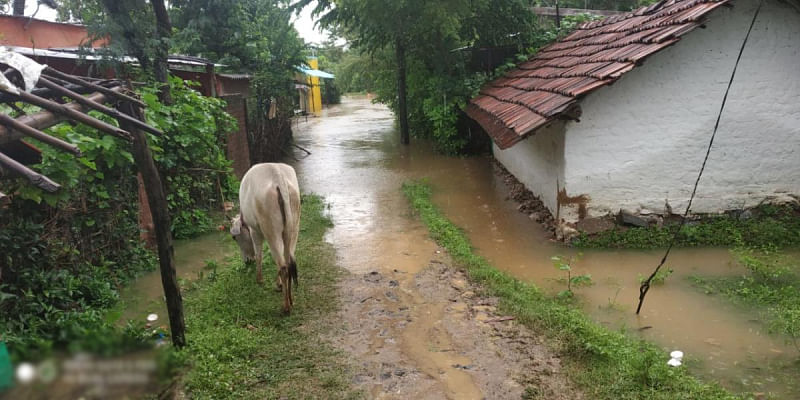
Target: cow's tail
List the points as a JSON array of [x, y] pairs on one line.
[[282, 205]]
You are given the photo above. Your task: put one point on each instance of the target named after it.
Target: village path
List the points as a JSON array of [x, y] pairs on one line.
[[414, 327]]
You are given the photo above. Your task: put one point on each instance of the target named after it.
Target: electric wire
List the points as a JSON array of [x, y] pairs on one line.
[[646, 284]]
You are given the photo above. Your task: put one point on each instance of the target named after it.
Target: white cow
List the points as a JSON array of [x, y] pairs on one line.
[[269, 200]]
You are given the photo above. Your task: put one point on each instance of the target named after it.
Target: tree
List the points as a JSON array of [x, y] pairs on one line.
[[136, 28], [423, 38], [254, 36], [404, 25], [19, 7]]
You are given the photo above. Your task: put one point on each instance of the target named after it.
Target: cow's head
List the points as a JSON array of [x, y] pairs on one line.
[[241, 234]]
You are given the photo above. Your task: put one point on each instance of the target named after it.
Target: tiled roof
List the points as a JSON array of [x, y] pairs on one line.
[[548, 85]]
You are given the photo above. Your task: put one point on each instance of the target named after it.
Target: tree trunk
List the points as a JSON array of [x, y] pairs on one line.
[[157, 200], [402, 110], [163, 34], [19, 7]]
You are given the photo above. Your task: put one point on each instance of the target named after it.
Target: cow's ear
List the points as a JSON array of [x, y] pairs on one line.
[[236, 226]]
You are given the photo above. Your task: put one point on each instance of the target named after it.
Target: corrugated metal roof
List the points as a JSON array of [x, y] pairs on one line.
[[598, 53], [236, 76], [75, 54]]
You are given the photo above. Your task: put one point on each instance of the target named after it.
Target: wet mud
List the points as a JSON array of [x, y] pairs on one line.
[[431, 335]]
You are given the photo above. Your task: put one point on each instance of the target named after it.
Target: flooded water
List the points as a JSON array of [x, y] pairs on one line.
[[193, 258], [358, 165]]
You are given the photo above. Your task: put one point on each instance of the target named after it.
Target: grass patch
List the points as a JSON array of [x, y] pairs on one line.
[[241, 347], [606, 364], [768, 225], [771, 286]]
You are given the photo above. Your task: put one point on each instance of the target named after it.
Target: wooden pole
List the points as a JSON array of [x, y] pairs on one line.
[[74, 114], [78, 81], [402, 110], [43, 119], [39, 135], [212, 79], [34, 177], [97, 106], [157, 199]]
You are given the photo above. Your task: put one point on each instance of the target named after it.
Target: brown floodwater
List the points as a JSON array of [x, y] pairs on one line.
[[193, 259], [358, 165]]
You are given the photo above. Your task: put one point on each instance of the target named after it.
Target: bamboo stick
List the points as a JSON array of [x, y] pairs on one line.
[[11, 123], [34, 177], [74, 114], [74, 79], [97, 106], [43, 119]]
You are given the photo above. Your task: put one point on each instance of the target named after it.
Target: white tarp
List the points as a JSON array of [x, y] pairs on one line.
[[29, 69]]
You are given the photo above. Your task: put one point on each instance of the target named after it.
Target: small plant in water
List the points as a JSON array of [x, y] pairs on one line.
[[660, 277], [565, 264]]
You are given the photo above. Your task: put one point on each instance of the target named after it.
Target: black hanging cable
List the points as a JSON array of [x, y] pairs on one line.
[[646, 284]]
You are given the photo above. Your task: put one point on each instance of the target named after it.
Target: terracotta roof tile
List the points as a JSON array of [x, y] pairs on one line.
[[598, 53]]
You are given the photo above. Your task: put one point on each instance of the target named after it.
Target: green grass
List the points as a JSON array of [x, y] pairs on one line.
[[771, 286], [605, 364], [769, 226], [242, 347]]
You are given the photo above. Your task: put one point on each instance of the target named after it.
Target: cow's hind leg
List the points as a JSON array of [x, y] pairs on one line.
[[276, 248]]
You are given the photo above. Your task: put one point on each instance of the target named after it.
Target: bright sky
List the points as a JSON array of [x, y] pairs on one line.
[[45, 12], [305, 26]]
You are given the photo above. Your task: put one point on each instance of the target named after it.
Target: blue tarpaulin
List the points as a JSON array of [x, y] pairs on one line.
[[315, 72]]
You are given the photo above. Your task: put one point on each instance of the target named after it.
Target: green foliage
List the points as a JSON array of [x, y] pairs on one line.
[[254, 36], [565, 264], [240, 344], [771, 286], [66, 254], [191, 155], [769, 225], [607, 364]]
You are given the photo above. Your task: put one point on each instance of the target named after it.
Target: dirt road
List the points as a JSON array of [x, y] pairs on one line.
[[413, 325]]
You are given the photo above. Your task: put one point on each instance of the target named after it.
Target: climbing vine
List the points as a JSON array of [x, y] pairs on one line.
[[65, 255]]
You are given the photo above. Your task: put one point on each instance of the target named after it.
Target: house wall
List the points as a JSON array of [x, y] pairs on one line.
[[40, 34], [538, 162], [641, 141], [238, 148]]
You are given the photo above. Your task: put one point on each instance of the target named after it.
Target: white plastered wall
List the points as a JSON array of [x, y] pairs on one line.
[[641, 141], [538, 162]]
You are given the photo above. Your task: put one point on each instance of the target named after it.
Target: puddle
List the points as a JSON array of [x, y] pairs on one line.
[[358, 165], [146, 295]]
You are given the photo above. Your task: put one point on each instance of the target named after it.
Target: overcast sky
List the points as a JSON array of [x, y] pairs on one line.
[[303, 23], [305, 26]]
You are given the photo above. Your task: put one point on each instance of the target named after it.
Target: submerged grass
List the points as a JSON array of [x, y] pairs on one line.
[[767, 225], [242, 347], [606, 364], [771, 286]]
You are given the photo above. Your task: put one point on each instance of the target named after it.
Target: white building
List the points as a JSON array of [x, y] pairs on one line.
[[589, 148]]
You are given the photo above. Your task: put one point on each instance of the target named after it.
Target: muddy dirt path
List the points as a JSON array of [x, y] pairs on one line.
[[414, 326]]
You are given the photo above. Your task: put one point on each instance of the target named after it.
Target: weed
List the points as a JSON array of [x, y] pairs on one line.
[[607, 364], [771, 286], [769, 225], [565, 264]]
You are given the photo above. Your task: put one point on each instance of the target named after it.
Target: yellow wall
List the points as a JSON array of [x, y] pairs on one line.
[[315, 99]]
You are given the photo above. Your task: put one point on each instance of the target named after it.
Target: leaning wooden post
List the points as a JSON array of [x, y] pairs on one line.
[[157, 200]]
